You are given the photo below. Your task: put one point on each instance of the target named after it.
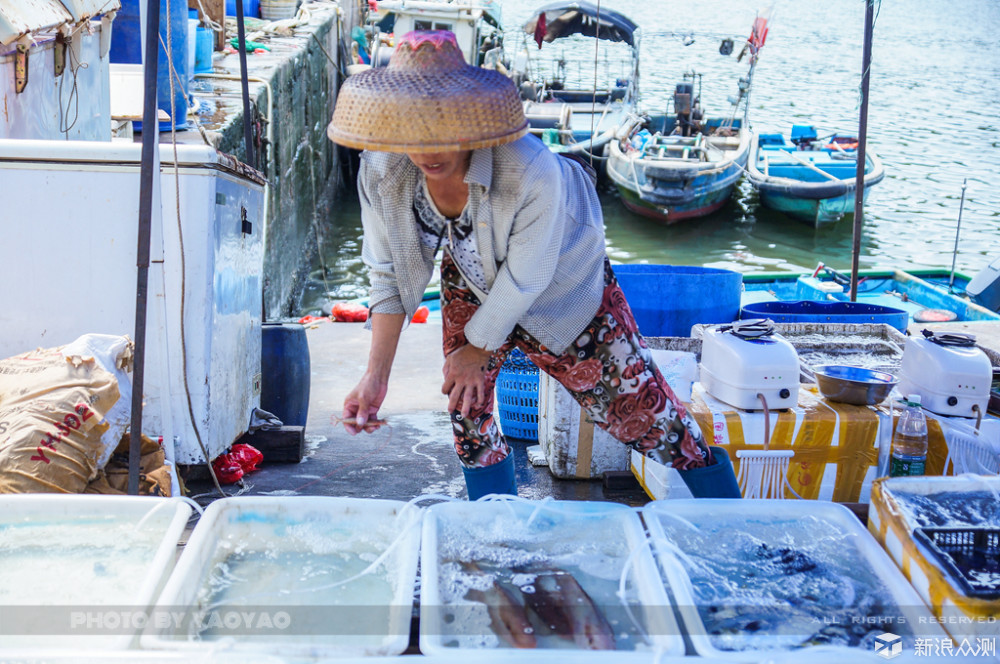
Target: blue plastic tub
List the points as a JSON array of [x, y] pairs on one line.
[[809, 311], [667, 300], [285, 367]]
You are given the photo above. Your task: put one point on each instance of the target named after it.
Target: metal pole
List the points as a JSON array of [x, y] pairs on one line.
[[859, 181], [958, 229], [150, 140], [241, 36]]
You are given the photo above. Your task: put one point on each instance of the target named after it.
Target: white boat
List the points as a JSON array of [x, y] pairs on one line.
[[475, 23], [574, 102]]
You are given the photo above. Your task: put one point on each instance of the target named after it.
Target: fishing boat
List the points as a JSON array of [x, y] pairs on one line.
[[808, 177], [685, 165], [476, 25], [574, 101], [926, 296]]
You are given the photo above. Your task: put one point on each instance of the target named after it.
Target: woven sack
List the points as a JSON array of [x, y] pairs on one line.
[[53, 408]]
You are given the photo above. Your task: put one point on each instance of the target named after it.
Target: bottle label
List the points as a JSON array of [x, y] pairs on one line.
[[904, 466]]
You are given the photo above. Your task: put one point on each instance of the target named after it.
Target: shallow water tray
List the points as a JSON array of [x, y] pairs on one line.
[[753, 578], [902, 505], [295, 576], [73, 566], [548, 570]]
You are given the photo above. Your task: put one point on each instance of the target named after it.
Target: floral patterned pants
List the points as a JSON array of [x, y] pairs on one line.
[[608, 370]]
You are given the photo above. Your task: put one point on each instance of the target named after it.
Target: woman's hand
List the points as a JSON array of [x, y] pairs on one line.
[[465, 378], [362, 404]]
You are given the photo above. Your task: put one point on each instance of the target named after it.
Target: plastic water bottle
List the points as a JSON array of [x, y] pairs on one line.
[[909, 441]]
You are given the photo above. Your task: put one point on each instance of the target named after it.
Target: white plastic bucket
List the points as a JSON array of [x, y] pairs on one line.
[[275, 10]]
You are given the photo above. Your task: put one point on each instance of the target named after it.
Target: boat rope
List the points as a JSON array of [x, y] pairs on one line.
[[593, 98]]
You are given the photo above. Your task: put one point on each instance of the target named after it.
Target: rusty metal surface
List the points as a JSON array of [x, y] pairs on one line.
[[20, 17]]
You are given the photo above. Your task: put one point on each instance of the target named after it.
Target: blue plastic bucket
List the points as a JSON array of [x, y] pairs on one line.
[[126, 48], [204, 46], [809, 311], [715, 481], [667, 300], [284, 367]]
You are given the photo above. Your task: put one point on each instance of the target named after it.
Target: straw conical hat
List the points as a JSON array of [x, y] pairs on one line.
[[427, 100]]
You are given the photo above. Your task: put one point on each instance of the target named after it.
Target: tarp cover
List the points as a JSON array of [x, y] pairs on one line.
[[567, 18], [21, 17]]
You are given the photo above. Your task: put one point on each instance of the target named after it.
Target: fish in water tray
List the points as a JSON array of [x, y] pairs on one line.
[[752, 577], [518, 576]]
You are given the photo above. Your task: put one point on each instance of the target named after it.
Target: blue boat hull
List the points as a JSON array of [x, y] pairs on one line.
[[812, 182], [815, 211]]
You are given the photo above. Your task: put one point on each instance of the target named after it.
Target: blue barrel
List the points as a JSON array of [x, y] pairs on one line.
[[126, 47], [809, 311], [251, 8], [667, 300], [284, 367]]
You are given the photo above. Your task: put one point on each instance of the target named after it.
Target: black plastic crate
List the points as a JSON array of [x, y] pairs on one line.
[[970, 556]]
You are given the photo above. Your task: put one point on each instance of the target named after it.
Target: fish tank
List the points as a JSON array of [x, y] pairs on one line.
[[515, 576], [754, 577], [294, 576], [76, 569]]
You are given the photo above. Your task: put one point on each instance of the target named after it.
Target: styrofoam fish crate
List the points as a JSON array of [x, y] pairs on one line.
[[779, 533], [892, 524], [75, 570], [500, 560], [294, 576]]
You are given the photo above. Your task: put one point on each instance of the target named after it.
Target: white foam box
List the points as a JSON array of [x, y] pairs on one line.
[[299, 576], [577, 449], [775, 525], [964, 617], [511, 542], [74, 569]]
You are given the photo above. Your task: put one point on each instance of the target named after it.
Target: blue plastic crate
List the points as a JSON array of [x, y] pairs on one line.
[[517, 396]]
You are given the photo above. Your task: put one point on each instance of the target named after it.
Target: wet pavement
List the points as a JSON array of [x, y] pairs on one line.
[[413, 455]]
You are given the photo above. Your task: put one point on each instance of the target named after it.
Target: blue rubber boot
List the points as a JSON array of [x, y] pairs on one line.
[[498, 478]]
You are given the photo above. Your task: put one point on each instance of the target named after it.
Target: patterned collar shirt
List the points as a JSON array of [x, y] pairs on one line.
[[538, 230]]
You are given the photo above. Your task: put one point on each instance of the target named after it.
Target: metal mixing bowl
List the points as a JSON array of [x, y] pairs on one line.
[[855, 385]]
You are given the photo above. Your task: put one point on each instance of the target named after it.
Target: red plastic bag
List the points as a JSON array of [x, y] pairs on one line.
[[349, 312], [247, 456], [227, 470], [421, 315], [305, 320]]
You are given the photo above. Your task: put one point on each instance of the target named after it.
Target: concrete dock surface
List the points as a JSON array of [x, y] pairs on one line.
[[413, 455]]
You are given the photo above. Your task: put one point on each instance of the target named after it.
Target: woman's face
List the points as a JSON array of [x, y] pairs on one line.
[[442, 165]]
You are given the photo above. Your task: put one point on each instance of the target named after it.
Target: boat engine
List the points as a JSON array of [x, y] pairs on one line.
[[984, 289], [688, 109]]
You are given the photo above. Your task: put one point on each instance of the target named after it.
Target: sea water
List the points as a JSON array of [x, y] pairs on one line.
[[73, 564], [783, 584], [949, 509], [516, 548], [317, 582]]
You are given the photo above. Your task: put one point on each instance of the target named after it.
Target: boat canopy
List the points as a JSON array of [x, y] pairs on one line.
[[568, 18], [24, 17]]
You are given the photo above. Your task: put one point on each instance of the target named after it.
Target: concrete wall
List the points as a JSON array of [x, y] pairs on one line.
[[301, 164]]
